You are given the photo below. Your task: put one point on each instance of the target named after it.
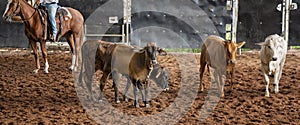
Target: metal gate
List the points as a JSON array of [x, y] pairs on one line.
[[170, 23]]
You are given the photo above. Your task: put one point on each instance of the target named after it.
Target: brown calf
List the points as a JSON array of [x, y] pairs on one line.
[[221, 56], [137, 64], [99, 54], [95, 54]]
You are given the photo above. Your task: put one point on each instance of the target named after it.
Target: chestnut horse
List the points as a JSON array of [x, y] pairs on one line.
[[73, 30]]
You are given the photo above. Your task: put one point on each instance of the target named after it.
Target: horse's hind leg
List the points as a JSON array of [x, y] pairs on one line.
[[70, 41], [36, 55], [44, 52]]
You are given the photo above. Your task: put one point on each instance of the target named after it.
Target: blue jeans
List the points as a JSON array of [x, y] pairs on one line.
[[51, 8]]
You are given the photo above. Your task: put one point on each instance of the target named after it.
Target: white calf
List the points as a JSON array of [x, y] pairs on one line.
[[272, 54]]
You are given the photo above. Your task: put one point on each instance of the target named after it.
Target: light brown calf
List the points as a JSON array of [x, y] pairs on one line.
[[221, 56]]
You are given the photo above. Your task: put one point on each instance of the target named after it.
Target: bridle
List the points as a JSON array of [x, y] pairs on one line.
[[19, 7]]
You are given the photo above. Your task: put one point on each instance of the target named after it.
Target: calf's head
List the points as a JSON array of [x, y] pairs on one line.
[[152, 49], [272, 46], [231, 48]]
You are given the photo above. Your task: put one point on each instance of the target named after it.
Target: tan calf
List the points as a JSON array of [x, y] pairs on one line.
[[221, 56]]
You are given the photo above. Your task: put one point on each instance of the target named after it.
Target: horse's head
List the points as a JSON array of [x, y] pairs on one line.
[[12, 9]]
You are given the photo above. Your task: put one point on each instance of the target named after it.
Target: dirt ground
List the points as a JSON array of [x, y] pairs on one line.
[[27, 98]]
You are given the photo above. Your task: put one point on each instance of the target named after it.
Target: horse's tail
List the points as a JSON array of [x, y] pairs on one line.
[[82, 68], [85, 70], [81, 39], [82, 35], [80, 81]]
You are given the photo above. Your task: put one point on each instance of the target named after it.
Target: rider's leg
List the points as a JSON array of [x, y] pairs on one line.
[[51, 8]]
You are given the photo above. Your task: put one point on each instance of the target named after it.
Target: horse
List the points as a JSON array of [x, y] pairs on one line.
[[73, 30]]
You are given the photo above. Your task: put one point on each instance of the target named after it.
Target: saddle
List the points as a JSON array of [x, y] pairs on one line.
[[62, 14]]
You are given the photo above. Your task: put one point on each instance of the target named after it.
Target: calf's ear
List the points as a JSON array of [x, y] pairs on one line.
[[260, 44], [161, 52], [239, 45], [139, 50]]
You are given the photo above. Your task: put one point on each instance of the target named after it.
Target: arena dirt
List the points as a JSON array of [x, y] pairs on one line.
[[27, 98]]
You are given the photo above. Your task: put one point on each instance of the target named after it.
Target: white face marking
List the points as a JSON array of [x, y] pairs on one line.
[[7, 7]]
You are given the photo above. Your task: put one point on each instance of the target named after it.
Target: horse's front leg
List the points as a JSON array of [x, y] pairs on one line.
[[44, 52], [36, 55]]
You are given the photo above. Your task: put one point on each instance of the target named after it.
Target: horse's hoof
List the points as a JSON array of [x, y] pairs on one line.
[[46, 71], [136, 106], [117, 101], [100, 101]]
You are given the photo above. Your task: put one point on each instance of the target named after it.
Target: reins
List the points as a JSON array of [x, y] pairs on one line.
[[24, 20]]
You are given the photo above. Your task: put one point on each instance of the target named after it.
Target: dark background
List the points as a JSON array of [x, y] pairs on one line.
[[260, 18], [257, 19]]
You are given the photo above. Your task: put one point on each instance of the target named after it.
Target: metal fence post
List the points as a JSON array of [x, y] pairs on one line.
[[235, 16], [286, 18]]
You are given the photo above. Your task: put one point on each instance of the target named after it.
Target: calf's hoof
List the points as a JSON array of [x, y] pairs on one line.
[[276, 89], [166, 89], [35, 71], [125, 99], [80, 84], [72, 68], [201, 88], [222, 94], [146, 104], [90, 98], [136, 105], [267, 95]]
